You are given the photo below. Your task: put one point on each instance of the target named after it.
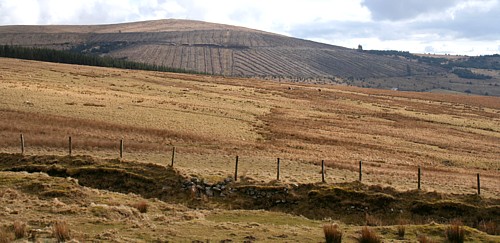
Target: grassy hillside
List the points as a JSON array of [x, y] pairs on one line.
[[211, 120]]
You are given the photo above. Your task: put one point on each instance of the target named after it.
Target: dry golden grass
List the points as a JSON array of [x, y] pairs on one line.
[[5, 236], [212, 119]]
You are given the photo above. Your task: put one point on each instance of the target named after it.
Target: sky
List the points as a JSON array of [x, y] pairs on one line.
[[456, 27]]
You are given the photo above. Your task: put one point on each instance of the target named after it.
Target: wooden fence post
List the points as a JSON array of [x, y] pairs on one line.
[[173, 156], [360, 170], [69, 146], [323, 171], [478, 185], [22, 144], [278, 170], [419, 177], [121, 148], [236, 169]]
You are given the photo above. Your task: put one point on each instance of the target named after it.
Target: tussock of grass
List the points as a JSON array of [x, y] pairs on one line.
[[332, 233], [372, 220], [60, 230], [19, 229], [401, 231], [142, 206], [368, 236]]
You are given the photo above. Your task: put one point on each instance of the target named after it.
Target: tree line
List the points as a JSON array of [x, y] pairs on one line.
[[468, 74], [58, 56]]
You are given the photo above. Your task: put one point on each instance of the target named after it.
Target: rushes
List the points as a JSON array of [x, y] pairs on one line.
[[332, 233], [402, 229], [455, 233]]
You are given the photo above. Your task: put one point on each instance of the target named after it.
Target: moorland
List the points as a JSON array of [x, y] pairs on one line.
[[212, 119]]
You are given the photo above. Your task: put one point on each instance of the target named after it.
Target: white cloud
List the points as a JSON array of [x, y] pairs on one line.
[[19, 12], [413, 25]]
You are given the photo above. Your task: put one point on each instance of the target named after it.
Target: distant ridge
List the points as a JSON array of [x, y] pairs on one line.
[[214, 49]]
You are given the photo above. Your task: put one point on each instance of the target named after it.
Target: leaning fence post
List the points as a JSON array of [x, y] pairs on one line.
[[419, 177], [173, 156], [121, 148], [22, 144], [478, 185], [236, 169], [323, 171], [69, 145], [360, 170], [278, 170]]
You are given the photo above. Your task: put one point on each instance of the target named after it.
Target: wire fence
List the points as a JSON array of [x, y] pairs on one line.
[[278, 163]]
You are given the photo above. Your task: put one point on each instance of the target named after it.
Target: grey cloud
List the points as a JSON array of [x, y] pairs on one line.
[[405, 9], [469, 24]]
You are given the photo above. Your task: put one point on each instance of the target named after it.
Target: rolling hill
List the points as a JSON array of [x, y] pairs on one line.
[[213, 49], [226, 50]]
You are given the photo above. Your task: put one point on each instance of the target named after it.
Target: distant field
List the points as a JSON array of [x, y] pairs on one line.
[[210, 120]]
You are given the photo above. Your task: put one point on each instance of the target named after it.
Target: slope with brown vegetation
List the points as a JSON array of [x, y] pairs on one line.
[[212, 119]]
